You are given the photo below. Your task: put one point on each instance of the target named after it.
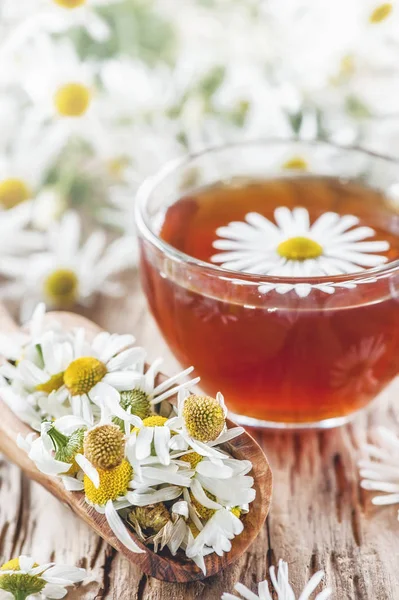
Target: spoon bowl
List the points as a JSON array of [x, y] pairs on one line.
[[162, 565]]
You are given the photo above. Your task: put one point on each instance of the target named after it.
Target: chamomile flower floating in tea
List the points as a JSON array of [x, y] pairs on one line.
[[281, 587], [292, 247], [22, 578], [379, 469], [108, 430], [68, 271]]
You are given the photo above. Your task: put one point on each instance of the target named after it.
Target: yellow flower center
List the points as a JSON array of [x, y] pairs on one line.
[[193, 458], [53, 384], [296, 163], [113, 484], [13, 192], [381, 12], [236, 510], [11, 565], [70, 3], [104, 446], [61, 288], [72, 99], [204, 418], [83, 374], [153, 421], [20, 585], [299, 248]]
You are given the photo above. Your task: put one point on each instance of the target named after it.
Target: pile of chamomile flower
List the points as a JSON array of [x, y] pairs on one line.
[[104, 425]]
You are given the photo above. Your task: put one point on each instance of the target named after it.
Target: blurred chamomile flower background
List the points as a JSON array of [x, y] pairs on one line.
[[96, 95]]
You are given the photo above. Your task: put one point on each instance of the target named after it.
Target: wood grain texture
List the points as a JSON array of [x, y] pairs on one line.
[[320, 518]]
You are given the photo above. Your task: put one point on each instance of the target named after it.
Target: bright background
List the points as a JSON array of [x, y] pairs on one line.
[[96, 95]]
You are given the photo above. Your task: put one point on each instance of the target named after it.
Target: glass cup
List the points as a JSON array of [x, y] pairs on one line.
[[281, 359]]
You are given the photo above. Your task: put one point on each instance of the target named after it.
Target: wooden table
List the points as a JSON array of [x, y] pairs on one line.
[[320, 518]]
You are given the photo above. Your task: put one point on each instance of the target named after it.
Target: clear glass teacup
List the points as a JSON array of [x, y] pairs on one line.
[[272, 267]]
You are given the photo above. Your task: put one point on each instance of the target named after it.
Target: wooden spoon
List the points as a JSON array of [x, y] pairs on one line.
[[163, 566]]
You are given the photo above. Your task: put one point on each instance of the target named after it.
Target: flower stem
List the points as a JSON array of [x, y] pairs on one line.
[[20, 595]]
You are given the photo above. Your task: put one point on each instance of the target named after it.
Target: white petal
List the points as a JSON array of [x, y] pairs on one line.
[[180, 508], [119, 529], [54, 592], [88, 469], [26, 563], [144, 441], [201, 497], [71, 484], [163, 495], [245, 592], [161, 443]]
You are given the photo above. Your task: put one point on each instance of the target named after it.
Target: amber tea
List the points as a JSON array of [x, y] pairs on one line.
[[305, 343]]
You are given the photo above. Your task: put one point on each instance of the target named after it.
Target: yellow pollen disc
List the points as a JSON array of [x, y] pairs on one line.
[[72, 100], [83, 374], [153, 421], [113, 484], [202, 511], [381, 12], [53, 384], [236, 510], [203, 417], [70, 3], [13, 192], [11, 565], [61, 288], [299, 248], [296, 163], [193, 458]]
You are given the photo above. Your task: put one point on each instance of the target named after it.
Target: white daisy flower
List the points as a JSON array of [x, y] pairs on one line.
[[100, 370], [26, 160], [281, 586], [54, 453], [15, 239], [23, 577], [68, 271], [379, 469], [188, 425], [227, 480], [293, 248], [54, 16], [44, 372], [63, 91], [216, 534]]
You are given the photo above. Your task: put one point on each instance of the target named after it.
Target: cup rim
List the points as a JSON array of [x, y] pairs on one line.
[[151, 183]]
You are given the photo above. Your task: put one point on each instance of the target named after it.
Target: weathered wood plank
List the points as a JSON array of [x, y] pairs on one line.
[[319, 516]]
